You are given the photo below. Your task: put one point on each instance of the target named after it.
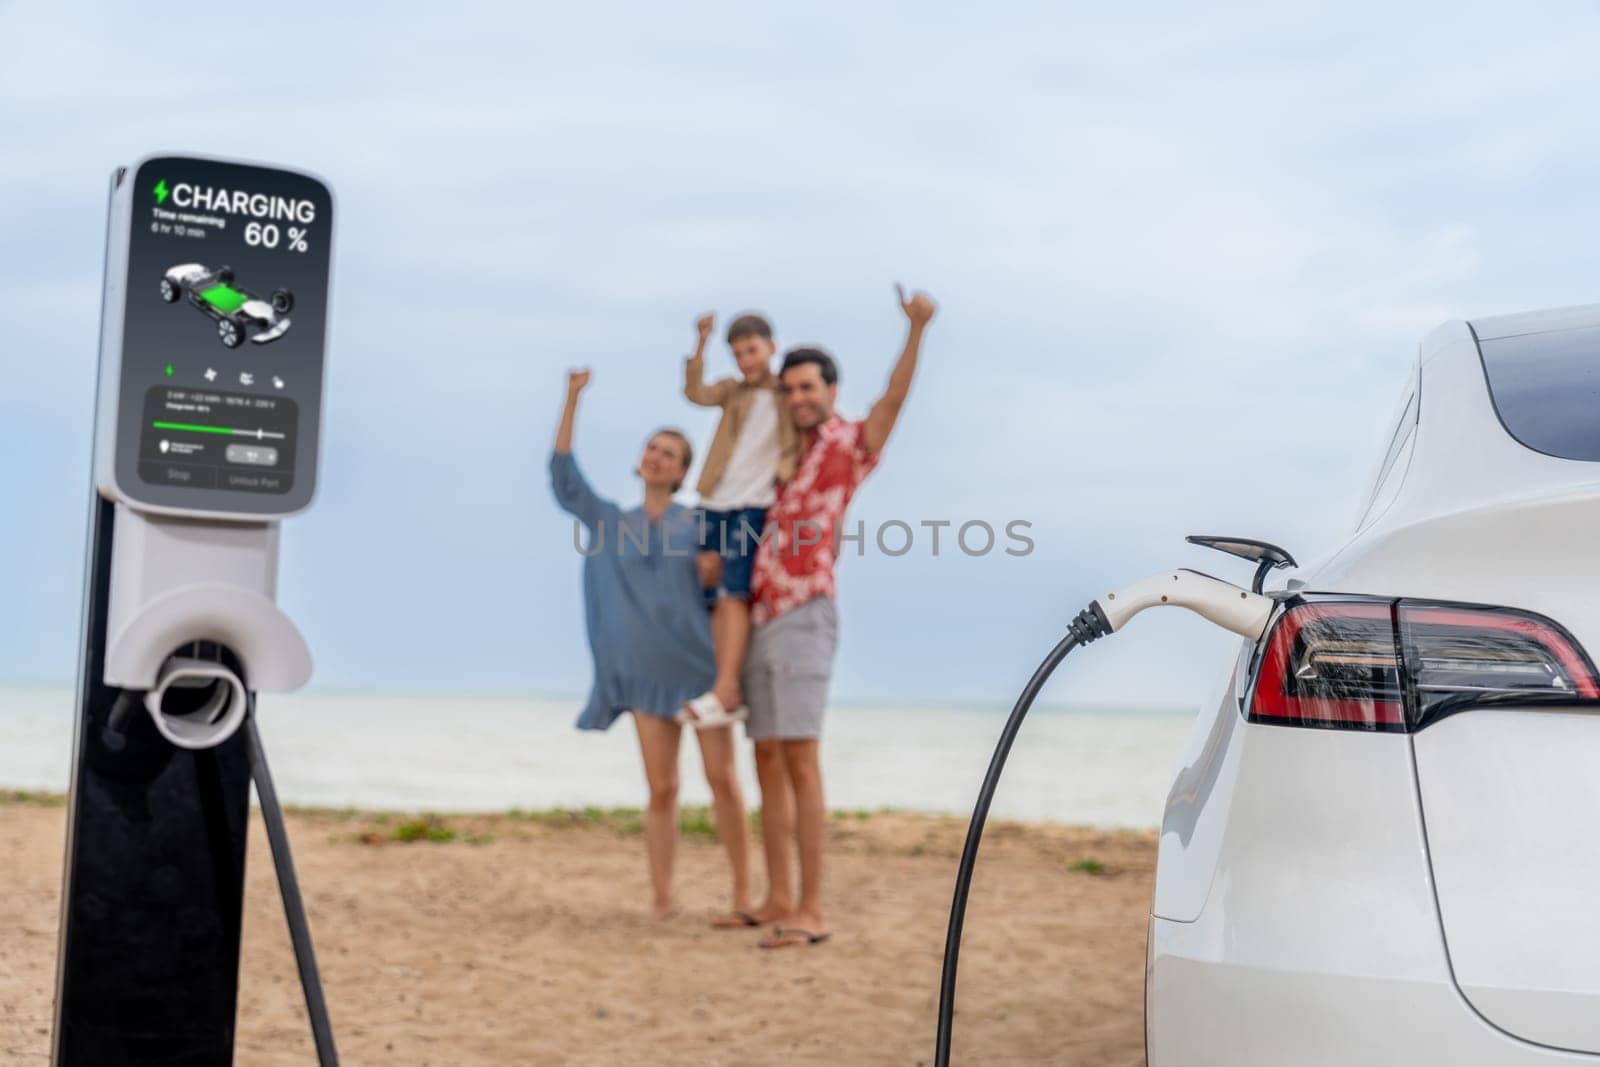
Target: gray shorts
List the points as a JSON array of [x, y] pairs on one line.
[[787, 671]]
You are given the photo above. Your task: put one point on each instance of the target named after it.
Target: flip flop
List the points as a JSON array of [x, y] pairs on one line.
[[791, 937], [738, 920], [705, 712]]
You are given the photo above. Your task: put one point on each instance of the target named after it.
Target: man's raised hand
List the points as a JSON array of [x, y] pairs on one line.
[[919, 309], [881, 418], [702, 327], [576, 380]]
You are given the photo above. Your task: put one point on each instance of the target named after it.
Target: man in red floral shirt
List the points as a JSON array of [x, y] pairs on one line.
[[790, 661]]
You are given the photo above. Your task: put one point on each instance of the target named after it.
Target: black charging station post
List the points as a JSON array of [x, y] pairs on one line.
[[209, 402]]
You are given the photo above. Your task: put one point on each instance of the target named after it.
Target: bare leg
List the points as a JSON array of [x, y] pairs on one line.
[[658, 743], [730, 637], [727, 806], [709, 567], [777, 830], [805, 775]]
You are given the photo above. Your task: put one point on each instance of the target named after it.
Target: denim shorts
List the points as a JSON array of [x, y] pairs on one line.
[[735, 536]]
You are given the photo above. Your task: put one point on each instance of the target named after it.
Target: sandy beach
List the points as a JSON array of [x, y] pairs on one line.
[[521, 939]]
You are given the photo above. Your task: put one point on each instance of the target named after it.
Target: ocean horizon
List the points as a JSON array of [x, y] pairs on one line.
[[1083, 765]]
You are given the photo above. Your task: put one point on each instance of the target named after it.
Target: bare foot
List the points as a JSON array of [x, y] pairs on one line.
[[662, 911], [798, 929], [737, 919], [769, 913]]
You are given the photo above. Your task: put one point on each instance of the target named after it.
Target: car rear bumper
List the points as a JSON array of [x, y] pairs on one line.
[[1296, 921], [1205, 1011]]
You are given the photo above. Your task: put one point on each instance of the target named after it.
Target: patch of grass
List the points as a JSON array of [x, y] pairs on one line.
[[335, 814], [546, 816], [697, 822], [37, 798], [1087, 865], [422, 828], [627, 822], [861, 814]]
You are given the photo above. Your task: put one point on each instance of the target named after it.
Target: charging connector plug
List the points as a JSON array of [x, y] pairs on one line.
[[1242, 611], [1227, 605]]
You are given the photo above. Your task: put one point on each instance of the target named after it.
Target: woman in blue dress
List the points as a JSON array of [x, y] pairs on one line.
[[650, 635]]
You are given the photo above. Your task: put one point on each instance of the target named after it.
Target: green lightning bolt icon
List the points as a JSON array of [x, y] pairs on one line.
[[161, 191]]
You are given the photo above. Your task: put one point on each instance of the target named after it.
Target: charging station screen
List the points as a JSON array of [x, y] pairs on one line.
[[224, 320]]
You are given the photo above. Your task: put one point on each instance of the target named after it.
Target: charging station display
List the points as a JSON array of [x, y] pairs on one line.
[[224, 317]]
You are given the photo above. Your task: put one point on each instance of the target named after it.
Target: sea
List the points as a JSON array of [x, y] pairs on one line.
[[1093, 766]]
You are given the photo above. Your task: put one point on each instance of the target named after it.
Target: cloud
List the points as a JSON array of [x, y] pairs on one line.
[[1183, 259]]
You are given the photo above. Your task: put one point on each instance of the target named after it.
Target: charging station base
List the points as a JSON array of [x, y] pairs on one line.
[[148, 969]]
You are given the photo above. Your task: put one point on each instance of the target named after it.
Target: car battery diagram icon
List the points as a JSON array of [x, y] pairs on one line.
[[238, 313]]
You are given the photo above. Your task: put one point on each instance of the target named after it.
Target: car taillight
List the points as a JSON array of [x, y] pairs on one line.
[[1398, 665], [1332, 664], [1457, 657]]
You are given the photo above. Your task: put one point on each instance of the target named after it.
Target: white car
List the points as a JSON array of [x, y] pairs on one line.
[[1382, 845], [238, 313]]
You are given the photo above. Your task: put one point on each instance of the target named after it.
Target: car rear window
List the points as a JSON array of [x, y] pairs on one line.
[[1546, 389]]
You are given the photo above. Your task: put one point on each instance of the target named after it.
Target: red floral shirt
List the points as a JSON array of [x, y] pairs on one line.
[[800, 542]]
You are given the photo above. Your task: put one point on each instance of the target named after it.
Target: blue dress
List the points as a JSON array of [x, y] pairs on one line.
[[649, 631]]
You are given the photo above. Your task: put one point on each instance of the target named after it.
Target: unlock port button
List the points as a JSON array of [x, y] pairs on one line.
[[253, 455]]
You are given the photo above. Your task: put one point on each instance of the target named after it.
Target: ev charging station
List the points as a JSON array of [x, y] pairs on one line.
[[214, 325]]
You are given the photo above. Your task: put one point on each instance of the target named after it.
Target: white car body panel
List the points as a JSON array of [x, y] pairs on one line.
[[272, 333], [185, 273], [1192, 827], [1523, 944], [1334, 896], [1211, 1012]]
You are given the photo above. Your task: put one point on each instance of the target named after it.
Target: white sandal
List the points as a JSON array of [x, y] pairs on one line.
[[705, 712]]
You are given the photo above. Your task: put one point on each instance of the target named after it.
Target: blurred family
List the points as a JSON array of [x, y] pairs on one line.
[[706, 617]]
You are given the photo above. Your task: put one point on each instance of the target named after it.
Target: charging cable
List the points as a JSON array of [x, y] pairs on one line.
[[294, 911], [1244, 612]]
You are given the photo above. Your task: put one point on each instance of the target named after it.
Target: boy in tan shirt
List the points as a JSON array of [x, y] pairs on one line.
[[755, 447]]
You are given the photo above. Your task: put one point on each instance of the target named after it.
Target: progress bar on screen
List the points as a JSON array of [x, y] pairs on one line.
[[226, 431]]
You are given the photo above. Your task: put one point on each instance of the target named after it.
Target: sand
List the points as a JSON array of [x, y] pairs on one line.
[[523, 940]]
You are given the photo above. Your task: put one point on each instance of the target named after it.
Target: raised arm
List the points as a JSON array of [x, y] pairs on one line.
[[576, 381], [881, 419], [566, 480], [695, 388]]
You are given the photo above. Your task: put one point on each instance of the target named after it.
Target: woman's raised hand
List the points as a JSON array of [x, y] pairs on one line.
[[576, 380]]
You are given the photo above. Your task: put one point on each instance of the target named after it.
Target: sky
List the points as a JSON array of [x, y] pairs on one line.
[[1183, 258]]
